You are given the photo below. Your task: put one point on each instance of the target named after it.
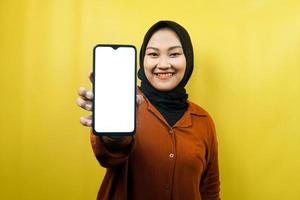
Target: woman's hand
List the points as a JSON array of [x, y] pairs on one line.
[[85, 101]]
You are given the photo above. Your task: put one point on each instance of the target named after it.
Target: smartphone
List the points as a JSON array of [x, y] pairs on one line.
[[114, 87]]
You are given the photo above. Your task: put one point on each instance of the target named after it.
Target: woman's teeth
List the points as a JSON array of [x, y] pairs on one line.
[[164, 74]]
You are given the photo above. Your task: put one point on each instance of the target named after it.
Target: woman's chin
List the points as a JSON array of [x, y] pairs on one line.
[[163, 87]]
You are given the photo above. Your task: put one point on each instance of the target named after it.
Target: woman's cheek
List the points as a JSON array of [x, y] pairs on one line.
[[149, 64], [181, 63]]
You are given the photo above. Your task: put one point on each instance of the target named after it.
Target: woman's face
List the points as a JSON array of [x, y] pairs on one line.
[[164, 61]]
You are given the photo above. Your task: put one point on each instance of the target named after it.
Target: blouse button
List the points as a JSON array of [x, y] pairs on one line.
[[171, 155], [171, 131], [167, 187]]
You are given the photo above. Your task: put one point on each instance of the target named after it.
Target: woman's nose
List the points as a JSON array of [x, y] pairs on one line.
[[164, 63]]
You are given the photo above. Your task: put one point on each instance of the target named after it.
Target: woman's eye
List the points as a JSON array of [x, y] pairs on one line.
[[175, 54], [152, 54]]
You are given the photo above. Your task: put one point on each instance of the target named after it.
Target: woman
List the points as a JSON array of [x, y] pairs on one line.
[[174, 152]]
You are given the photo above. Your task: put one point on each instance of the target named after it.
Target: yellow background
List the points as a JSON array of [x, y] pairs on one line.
[[247, 75]]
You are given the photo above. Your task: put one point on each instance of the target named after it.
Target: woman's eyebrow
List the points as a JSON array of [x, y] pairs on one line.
[[174, 47], [170, 48], [152, 48]]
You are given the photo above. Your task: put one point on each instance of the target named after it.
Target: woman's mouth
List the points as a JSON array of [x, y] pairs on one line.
[[164, 76]]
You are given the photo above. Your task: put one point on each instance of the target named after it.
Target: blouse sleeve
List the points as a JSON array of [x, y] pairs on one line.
[[210, 183], [111, 152]]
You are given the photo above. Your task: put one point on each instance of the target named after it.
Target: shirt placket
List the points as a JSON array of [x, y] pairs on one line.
[[172, 160], [172, 154]]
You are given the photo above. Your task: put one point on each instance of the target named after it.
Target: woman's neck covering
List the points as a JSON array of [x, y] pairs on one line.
[[171, 104]]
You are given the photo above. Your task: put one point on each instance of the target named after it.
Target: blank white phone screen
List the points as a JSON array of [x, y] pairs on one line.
[[114, 88]]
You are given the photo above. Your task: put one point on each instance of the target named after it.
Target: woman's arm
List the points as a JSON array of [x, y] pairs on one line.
[[111, 151], [210, 182]]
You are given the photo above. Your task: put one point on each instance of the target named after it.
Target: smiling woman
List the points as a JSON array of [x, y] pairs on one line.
[[164, 61], [174, 154]]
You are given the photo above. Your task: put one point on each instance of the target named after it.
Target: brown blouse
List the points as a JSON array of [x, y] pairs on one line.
[[162, 162]]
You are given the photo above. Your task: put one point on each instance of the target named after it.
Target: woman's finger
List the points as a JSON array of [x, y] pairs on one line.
[[80, 102], [139, 99], [89, 95], [91, 76], [86, 121], [85, 104], [82, 91], [85, 93], [88, 105]]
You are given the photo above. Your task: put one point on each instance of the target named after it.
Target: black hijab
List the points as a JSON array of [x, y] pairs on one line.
[[171, 104]]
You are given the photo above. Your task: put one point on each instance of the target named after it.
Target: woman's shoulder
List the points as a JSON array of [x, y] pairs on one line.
[[196, 109], [201, 112]]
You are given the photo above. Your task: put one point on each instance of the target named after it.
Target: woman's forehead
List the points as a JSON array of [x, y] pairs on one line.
[[164, 38]]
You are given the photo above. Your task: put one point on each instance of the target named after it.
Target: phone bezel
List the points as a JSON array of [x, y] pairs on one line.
[[115, 46]]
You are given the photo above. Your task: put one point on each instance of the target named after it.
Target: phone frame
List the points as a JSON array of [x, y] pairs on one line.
[[115, 46]]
